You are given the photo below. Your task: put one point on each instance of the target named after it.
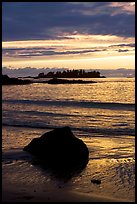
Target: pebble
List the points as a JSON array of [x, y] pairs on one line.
[[96, 181]]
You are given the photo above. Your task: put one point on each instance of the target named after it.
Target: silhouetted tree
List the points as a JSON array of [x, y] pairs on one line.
[[71, 74]]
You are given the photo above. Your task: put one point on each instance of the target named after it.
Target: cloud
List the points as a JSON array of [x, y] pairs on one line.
[[119, 7], [113, 8], [126, 50], [53, 20], [31, 52], [28, 71], [123, 45], [39, 49]]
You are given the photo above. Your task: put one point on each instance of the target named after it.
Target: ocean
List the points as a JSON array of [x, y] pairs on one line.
[[102, 114]]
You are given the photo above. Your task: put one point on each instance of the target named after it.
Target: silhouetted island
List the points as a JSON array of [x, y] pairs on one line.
[[66, 81], [6, 80], [70, 74], [54, 78]]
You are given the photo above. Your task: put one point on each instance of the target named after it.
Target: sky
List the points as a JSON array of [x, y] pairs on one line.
[[76, 35]]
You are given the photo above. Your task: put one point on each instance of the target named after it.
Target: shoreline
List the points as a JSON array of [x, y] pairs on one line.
[[19, 194], [24, 182]]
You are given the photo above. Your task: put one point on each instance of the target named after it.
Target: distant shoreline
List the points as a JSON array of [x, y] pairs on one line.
[[15, 81]]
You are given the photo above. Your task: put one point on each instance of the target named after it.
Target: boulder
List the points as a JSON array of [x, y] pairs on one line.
[[59, 149]]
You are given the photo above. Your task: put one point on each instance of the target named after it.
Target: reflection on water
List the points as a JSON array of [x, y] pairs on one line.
[[95, 114], [106, 90], [106, 107]]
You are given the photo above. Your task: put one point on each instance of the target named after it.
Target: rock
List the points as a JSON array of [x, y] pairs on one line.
[[96, 181], [59, 149]]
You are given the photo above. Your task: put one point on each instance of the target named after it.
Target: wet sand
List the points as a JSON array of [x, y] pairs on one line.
[[15, 193], [111, 161], [22, 182]]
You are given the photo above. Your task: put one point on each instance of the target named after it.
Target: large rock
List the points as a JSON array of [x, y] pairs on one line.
[[60, 150]]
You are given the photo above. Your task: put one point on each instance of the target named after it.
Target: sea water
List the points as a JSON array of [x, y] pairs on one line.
[[102, 114]]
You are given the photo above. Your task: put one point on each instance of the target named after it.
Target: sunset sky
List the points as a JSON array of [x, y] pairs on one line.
[[68, 34]]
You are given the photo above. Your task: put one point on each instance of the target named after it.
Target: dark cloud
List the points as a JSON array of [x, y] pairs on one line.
[[52, 20], [31, 52], [126, 50], [124, 45]]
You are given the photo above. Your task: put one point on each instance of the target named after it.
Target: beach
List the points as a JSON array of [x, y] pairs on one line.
[[23, 180], [20, 194], [68, 102]]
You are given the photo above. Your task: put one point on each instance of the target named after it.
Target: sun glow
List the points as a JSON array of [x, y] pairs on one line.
[[71, 41], [73, 51], [92, 63]]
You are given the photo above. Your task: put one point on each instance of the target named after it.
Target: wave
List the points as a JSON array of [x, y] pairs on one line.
[[89, 130], [40, 113], [82, 104], [9, 156]]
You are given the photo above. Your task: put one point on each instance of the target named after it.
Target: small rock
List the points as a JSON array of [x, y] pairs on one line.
[[96, 181]]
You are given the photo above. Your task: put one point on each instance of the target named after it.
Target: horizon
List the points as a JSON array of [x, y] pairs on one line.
[[68, 34], [27, 71]]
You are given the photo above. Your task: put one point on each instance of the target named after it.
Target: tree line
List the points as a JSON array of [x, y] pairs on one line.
[[70, 74]]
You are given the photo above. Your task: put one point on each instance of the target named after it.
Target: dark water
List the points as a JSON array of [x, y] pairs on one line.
[[101, 114]]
